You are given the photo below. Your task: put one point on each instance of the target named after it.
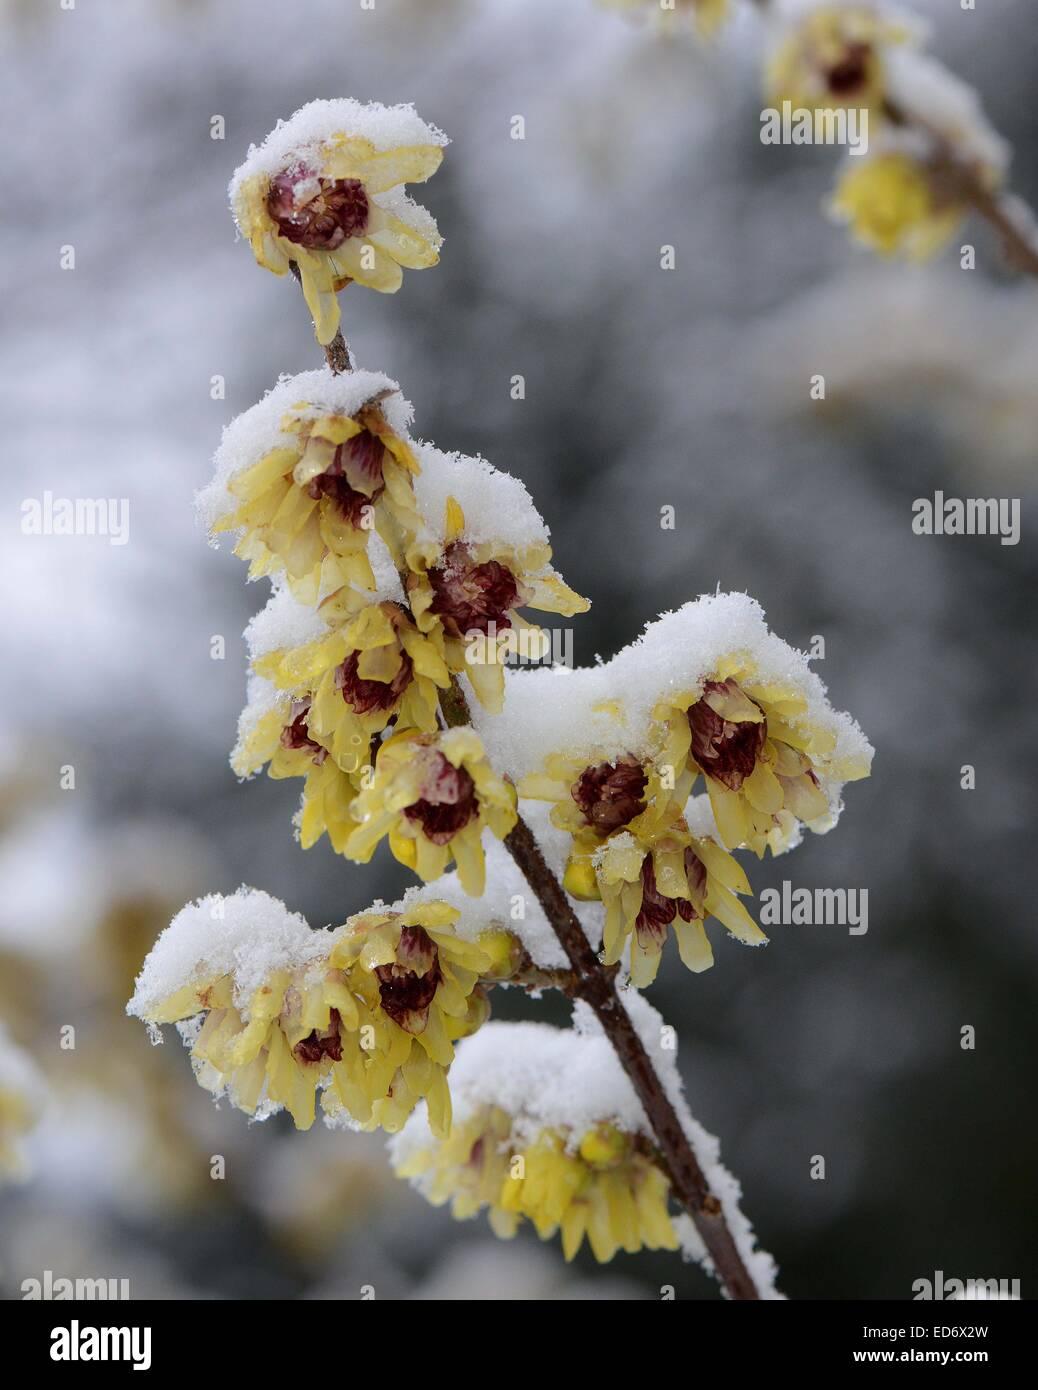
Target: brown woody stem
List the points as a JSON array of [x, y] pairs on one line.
[[595, 984], [1011, 218]]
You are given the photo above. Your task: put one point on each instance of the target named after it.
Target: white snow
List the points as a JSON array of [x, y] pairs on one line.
[[554, 708], [258, 430], [542, 1076], [497, 506], [925, 90], [248, 936], [387, 127], [507, 892], [572, 1080]]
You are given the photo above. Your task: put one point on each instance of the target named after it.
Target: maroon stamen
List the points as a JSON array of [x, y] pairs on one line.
[[610, 794], [363, 695], [317, 213], [360, 458], [405, 994], [297, 734], [316, 1046], [849, 74], [447, 803], [469, 597], [725, 749]]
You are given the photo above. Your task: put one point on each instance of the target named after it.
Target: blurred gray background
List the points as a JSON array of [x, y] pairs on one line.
[[644, 388]]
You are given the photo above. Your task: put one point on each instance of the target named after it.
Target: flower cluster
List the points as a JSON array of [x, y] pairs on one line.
[[386, 587], [706, 701], [275, 1012], [930, 149], [378, 676], [602, 1185], [547, 1130]]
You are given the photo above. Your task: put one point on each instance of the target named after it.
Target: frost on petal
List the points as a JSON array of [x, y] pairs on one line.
[[258, 430], [319, 122], [613, 709], [547, 1127], [248, 936]]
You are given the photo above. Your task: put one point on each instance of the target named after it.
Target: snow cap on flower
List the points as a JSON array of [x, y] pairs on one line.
[[324, 192], [480, 554], [432, 795], [835, 55], [305, 476], [546, 1128], [517, 1082], [276, 1013], [655, 699]]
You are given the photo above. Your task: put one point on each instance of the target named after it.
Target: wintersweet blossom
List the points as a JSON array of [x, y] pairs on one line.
[[602, 1185], [373, 668], [758, 751], [468, 593], [432, 795], [631, 849], [835, 56], [275, 1013], [308, 505], [278, 736], [417, 984], [323, 193], [897, 205]]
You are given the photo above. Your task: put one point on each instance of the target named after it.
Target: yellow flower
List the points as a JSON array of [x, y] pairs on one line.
[[894, 205], [834, 58], [281, 737], [601, 1184], [277, 1048], [432, 794], [330, 203], [366, 1014], [709, 15], [632, 850], [308, 507], [417, 986], [374, 667], [468, 593], [21, 1103], [758, 751]]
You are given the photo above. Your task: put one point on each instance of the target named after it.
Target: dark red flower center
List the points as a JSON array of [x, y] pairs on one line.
[[314, 212], [447, 803], [297, 734], [359, 459], [610, 794], [405, 993], [364, 695], [316, 1046], [725, 749], [849, 74], [657, 912], [469, 597]]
